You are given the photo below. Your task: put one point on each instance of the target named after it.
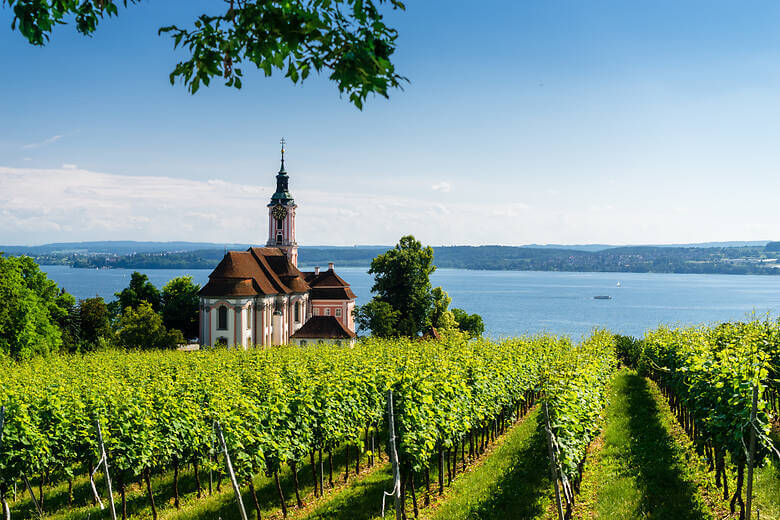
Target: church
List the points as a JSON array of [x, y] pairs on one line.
[[259, 297]]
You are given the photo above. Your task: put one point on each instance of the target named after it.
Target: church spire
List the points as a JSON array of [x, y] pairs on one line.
[[282, 195]]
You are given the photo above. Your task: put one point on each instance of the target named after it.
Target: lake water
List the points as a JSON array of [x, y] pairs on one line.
[[521, 302]]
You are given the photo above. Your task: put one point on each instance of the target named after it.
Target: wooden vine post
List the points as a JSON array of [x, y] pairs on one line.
[[229, 466], [394, 458], [104, 459], [751, 452], [553, 465]]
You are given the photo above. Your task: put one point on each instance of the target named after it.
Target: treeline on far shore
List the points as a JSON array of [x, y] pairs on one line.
[[633, 259]]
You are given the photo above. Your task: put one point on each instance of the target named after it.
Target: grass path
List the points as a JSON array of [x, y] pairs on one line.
[[512, 483], [509, 481], [639, 467]]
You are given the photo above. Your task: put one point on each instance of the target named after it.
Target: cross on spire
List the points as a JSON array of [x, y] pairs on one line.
[[283, 142]]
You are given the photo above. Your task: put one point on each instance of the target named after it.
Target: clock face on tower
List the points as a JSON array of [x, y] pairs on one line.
[[279, 212]]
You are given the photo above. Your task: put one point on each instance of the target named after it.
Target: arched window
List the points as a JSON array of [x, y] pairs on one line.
[[297, 312], [222, 318], [279, 224], [278, 238]]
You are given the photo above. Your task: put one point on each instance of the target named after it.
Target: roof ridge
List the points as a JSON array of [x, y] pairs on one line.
[[268, 271]]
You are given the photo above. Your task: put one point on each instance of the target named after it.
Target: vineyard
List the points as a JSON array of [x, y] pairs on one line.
[[308, 413]]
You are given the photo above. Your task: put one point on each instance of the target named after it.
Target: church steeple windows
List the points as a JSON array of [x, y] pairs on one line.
[[281, 215]]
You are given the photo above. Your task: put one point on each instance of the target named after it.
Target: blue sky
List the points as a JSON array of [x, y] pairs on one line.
[[524, 122]]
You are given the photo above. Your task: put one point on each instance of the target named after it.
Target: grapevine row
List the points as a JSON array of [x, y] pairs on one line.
[[709, 374], [276, 406]]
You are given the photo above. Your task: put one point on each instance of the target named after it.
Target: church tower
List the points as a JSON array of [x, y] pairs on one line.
[[281, 216]]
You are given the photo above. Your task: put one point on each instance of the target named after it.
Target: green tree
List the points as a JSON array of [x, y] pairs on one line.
[[440, 310], [378, 317], [95, 322], [346, 38], [402, 280], [140, 290], [471, 324], [31, 309], [142, 328], [180, 303]]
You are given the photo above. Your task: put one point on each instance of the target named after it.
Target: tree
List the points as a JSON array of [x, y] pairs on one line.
[[378, 317], [142, 328], [140, 290], [30, 309], [346, 38], [471, 324], [402, 279], [95, 321], [441, 304], [180, 304]]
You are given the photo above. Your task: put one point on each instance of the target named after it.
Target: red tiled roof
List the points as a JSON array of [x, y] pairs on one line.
[[257, 271], [327, 278], [332, 293], [323, 327], [229, 287]]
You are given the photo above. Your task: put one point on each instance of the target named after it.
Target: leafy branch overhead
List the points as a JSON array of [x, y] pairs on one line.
[[347, 39]]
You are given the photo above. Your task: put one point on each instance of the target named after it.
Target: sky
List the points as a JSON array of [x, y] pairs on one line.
[[539, 121]]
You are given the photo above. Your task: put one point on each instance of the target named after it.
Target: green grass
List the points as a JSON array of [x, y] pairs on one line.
[[639, 468], [362, 500], [512, 483], [766, 486]]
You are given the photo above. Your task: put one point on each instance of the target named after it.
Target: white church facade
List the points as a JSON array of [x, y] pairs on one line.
[[259, 297]]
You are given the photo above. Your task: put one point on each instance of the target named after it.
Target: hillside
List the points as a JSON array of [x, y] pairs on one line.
[[752, 259]]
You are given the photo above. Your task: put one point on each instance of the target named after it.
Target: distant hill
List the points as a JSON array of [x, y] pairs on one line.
[[114, 247], [602, 247], [732, 259], [128, 247]]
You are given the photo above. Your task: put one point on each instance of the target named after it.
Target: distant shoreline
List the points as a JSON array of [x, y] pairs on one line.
[[735, 260]]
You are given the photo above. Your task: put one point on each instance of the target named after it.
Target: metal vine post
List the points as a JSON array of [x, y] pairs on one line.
[[229, 466], [104, 459]]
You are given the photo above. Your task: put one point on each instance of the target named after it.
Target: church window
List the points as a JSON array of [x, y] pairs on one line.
[[297, 311], [249, 318], [278, 238], [327, 311], [279, 224], [338, 313], [222, 318]]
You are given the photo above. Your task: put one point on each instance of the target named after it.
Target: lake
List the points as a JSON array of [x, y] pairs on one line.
[[525, 302]]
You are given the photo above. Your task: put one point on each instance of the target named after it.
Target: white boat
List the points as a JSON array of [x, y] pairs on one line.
[[618, 284]]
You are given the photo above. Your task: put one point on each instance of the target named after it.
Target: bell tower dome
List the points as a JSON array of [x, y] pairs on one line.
[[281, 216]]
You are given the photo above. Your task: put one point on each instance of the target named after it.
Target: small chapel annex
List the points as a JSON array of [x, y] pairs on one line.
[[259, 297]]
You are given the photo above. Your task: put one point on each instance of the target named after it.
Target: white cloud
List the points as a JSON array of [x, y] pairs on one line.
[[72, 204], [68, 166], [50, 140], [443, 186]]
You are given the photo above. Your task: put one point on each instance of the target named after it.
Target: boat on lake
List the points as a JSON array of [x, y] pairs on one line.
[[602, 297]]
